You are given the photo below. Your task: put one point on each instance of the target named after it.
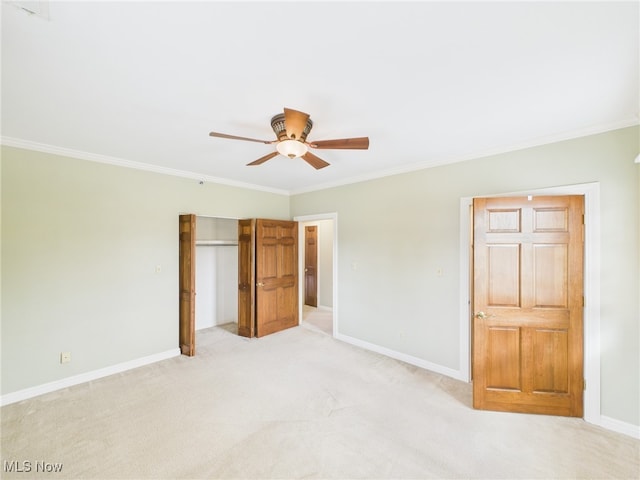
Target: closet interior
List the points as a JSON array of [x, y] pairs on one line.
[[216, 263]]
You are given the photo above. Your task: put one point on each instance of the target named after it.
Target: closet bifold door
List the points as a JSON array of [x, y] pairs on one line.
[[246, 277], [187, 287]]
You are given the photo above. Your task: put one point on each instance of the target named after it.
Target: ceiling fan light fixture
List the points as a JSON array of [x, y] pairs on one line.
[[280, 129], [291, 129], [291, 148]]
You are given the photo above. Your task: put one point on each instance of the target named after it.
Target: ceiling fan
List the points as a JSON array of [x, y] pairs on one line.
[[291, 129]]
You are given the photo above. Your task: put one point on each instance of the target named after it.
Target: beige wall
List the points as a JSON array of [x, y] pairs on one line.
[[80, 246], [395, 233]]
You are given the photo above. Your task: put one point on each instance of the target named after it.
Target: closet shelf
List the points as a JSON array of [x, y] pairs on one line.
[[217, 243]]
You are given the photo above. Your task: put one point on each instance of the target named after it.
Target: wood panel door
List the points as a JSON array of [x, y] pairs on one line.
[[187, 284], [311, 266], [528, 304], [267, 276], [246, 277], [276, 260]]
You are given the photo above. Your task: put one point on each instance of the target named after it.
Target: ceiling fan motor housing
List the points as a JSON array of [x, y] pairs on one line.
[[277, 123]]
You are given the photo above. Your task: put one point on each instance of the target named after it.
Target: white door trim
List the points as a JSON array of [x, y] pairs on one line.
[[301, 219], [591, 192]]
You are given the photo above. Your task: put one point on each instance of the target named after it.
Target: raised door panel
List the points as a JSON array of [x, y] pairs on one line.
[[503, 359], [503, 272], [550, 279], [551, 367]]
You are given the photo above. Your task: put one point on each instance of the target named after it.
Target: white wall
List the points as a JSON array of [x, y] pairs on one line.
[[215, 228], [395, 233], [216, 285]]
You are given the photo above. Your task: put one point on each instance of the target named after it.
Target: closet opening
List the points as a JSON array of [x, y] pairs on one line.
[[208, 278], [216, 283]]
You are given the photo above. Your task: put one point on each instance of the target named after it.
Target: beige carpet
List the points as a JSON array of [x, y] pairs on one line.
[[296, 404]]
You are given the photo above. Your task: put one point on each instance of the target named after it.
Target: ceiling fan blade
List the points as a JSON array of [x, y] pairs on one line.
[[315, 162], [360, 143], [261, 160], [234, 137], [295, 123]]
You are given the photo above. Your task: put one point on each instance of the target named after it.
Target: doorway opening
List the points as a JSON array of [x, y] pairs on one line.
[[323, 234]]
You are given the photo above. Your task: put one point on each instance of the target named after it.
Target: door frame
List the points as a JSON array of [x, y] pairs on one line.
[[302, 219], [591, 361]]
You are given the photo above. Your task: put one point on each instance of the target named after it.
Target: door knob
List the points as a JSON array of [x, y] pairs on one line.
[[260, 284]]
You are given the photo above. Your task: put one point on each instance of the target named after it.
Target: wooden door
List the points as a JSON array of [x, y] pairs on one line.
[[246, 277], [276, 260], [528, 304], [187, 284], [311, 266]]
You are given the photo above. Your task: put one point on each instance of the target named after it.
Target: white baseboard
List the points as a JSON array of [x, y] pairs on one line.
[[31, 392], [418, 362], [13, 397], [325, 308], [603, 421], [620, 426]]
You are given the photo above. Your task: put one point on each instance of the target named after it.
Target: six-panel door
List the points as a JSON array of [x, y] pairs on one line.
[[528, 304], [276, 275]]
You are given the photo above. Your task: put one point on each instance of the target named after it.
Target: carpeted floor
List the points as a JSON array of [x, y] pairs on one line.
[[296, 404], [320, 320]]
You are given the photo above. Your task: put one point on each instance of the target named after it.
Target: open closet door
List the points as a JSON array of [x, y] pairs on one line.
[[276, 275], [267, 276], [187, 284], [246, 277]]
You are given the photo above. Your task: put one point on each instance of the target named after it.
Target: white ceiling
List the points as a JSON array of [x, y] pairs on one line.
[[428, 82]]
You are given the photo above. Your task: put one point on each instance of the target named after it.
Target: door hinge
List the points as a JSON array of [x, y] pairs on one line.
[[583, 301], [584, 384]]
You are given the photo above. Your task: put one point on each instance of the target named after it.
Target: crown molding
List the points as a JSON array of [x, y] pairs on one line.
[[536, 142], [120, 162]]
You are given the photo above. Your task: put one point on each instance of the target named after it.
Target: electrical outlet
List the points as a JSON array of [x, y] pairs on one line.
[[65, 357]]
